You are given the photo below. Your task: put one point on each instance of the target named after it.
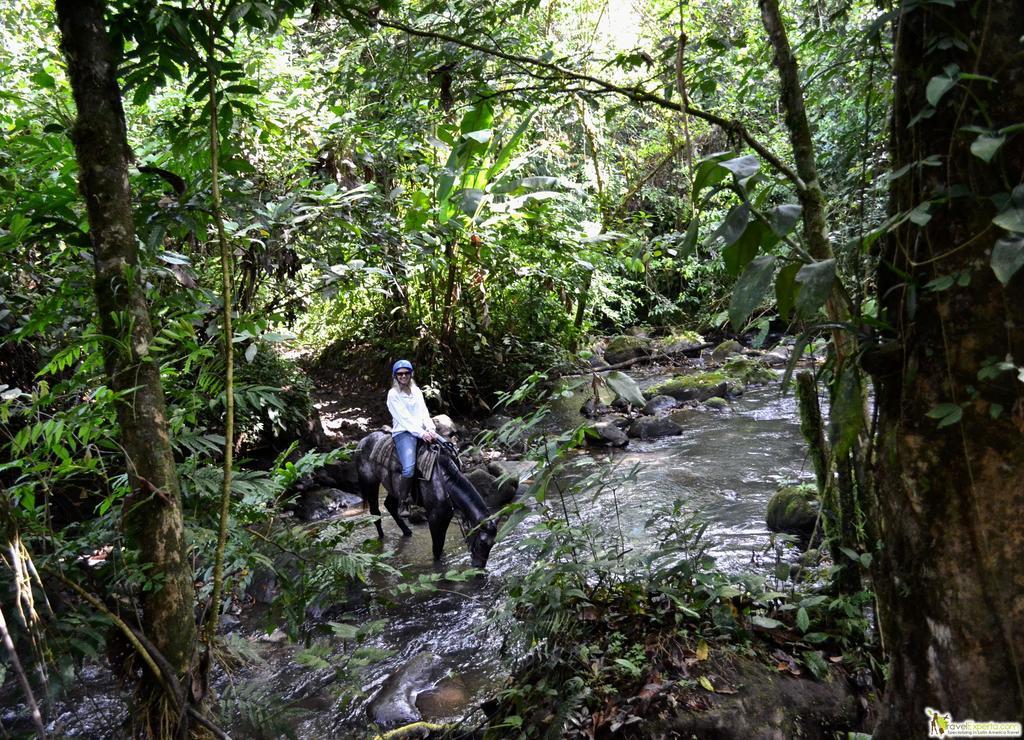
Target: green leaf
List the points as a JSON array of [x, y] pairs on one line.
[[43, 79], [1007, 258], [766, 622], [946, 413], [734, 225], [813, 660], [742, 167], [706, 684], [802, 620], [626, 387], [710, 172], [783, 218], [941, 84], [250, 352], [986, 146], [815, 286], [1012, 219], [786, 289], [689, 242], [242, 89], [629, 666], [846, 416], [482, 136], [750, 290], [504, 155]]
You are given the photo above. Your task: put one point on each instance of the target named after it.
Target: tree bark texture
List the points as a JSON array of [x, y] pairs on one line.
[[152, 513], [949, 578]]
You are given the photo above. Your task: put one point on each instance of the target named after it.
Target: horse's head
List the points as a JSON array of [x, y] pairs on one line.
[[469, 502], [480, 542]]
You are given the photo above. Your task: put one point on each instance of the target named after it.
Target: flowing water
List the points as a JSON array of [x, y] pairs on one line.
[[725, 464], [442, 658]]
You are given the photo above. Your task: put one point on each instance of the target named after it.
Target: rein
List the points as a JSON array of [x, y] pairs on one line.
[[449, 448]]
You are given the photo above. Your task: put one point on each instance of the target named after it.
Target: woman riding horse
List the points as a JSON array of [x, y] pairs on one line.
[[447, 491]]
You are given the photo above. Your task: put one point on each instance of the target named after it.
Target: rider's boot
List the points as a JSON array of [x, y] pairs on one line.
[[405, 491]]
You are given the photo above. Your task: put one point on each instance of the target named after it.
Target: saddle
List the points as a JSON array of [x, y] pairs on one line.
[[385, 454]]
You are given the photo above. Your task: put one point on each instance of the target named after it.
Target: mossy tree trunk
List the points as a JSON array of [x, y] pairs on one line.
[[949, 577], [152, 513]]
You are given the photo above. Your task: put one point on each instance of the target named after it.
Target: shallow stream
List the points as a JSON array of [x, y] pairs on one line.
[[725, 464]]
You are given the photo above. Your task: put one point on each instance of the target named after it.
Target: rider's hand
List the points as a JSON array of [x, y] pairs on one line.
[[429, 436]]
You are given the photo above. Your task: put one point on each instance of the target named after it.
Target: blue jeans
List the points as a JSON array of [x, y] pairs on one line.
[[405, 444]]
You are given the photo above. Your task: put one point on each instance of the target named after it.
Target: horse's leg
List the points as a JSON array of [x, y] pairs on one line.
[[369, 489], [391, 504], [439, 513]]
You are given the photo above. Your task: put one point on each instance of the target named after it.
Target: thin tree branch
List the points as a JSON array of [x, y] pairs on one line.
[[635, 94]]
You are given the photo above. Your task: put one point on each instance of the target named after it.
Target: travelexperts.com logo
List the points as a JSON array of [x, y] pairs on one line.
[[941, 724]]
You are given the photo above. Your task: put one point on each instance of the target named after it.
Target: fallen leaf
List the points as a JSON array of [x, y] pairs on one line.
[[703, 681], [702, 650]]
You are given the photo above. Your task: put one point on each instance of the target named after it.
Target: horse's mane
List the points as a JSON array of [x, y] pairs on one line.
[[463, 494]]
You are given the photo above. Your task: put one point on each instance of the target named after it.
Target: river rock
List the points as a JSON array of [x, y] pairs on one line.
[[593, 408], [496, 492], [777, 356], [660, 404], [794, 510], [725, 349], [607, 434], [698, 386], [445, 426], [395, 703], [750, 370], [717, 403], [651, 427], [623, 348], [681, 342]]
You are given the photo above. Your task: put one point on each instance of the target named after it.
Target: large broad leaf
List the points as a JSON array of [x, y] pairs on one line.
[[1012, 219], [986, 146], [734, 225], [689, 242], [504, 155], [710, 172], [755, 237], [472, 199], [786, 289], [477, 118], [941, 84], [783, 218], [626, 387], [750, 290], [846, 416], [1007, 258], [815, 285], [742, 167], [445, 183]]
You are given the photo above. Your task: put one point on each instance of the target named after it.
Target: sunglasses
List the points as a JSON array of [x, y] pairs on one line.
[[402, 374]]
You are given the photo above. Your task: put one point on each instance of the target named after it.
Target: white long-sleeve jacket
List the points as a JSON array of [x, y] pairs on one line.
[[409, 412]]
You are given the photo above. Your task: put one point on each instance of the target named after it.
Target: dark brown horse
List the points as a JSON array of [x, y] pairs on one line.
[[446, 492]]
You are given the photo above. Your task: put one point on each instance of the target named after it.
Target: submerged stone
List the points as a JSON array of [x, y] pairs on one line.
[[651, 427], [717, 402]]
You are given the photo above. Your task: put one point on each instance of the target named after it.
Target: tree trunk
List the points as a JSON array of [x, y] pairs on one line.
[[152, 513], [949, 577]]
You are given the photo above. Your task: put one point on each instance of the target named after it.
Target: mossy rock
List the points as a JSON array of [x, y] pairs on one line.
[[717, 402], [725, 349], [680, 341], [794, 510], [750, 370], [699, 386], [623, 348]]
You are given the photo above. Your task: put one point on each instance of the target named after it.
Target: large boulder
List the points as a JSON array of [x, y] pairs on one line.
[[750, 370], [651, 427], [623, 348], [681, 342], [606, 434], [698, 386], [395, 703], [660, 404], [495, 488], [794, 510], [724, 350]]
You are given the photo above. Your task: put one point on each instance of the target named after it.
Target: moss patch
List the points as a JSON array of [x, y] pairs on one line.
[[699, 385], [750, 371], [624, 347]]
